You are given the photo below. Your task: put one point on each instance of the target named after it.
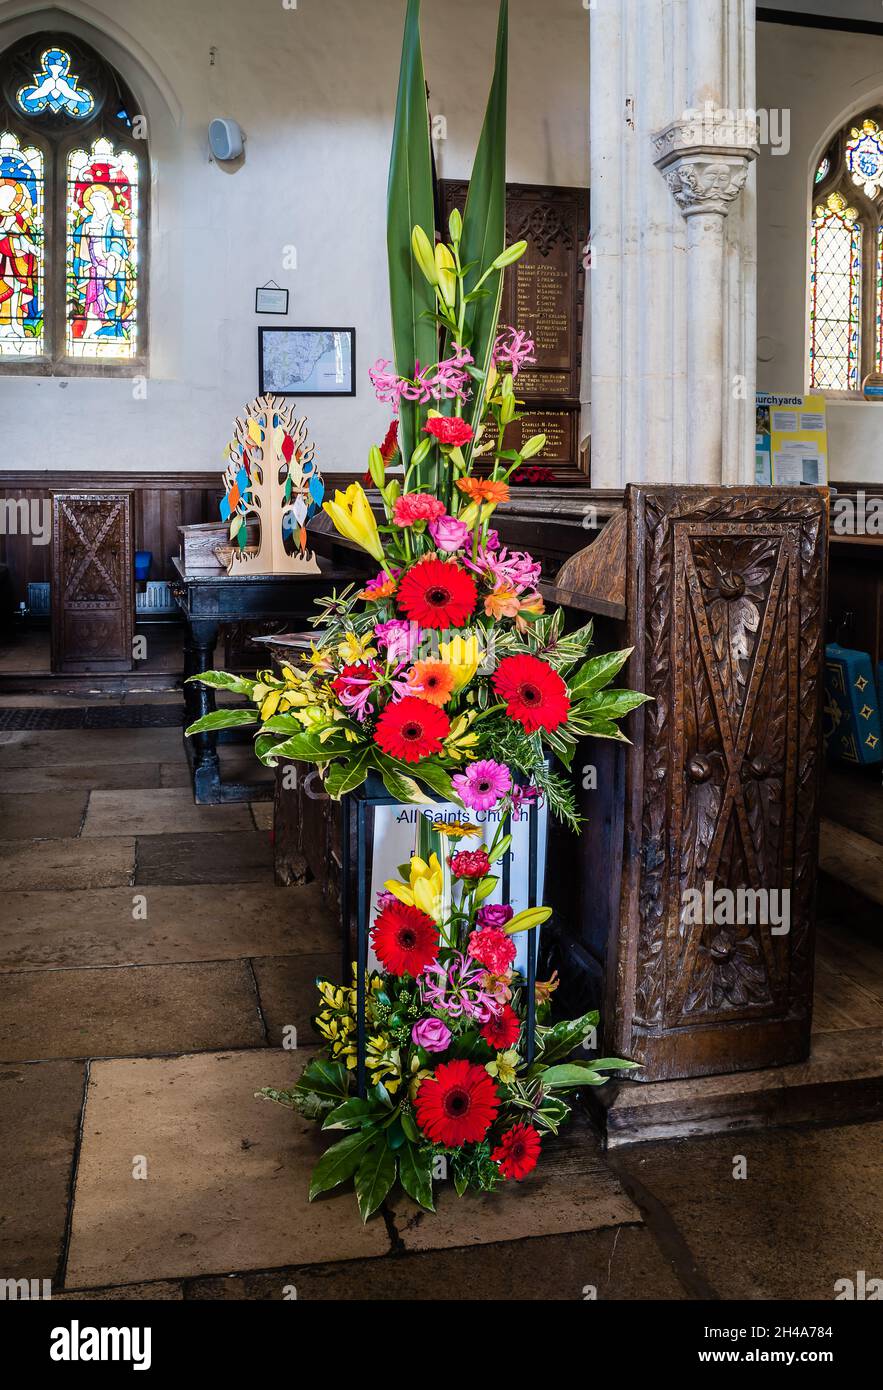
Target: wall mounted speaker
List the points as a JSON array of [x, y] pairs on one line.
[[225, 138]]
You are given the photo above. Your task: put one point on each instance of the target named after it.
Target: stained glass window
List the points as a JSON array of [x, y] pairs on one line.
[[822, 171], [21, 248], [864, 157], [102, 251], [835, 296], [55, 88]]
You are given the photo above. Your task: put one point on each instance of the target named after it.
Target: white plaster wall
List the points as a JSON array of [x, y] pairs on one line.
[[822, 78], [313, 86]]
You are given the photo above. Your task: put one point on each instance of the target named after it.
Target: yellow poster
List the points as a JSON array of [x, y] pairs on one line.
[[791, 445]]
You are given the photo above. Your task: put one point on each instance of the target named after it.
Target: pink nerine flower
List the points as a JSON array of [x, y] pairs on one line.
[[449, 534], [493, 948], [445, 381], [514, 349], [417, 506], [515, 570], [458, 989], [483, 784]]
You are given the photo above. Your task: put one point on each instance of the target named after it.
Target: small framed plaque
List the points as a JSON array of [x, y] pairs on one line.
[[270, 299]]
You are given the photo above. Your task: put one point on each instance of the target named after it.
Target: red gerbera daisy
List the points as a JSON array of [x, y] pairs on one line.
[[436, 593], [457, 1105], [412, 729], [405, 939], [535, 695], [517, 1152], [502, 1032]]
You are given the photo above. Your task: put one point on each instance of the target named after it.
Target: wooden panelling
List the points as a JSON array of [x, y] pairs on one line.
[[161, 502]]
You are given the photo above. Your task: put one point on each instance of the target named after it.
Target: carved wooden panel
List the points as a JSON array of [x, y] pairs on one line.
[[726, 604], [92, 582]]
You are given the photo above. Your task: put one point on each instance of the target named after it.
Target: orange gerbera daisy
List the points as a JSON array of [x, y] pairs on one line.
[[433, 680], [484, 490]]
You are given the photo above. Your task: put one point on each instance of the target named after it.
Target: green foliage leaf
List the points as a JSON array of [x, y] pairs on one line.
[[352, 1114], [341, 1161], [562, 1038], [374, 1177], [223, 719], [571, 1074], [222, 680], [415, 1173], [324, 1078], [347, 775], [399, 783], [410, 203], [597, 672]]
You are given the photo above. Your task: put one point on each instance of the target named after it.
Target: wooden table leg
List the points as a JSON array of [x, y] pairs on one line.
[[205, 764]]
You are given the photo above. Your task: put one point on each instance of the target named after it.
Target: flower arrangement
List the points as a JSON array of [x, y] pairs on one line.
[[443, 675], [452, 1094]]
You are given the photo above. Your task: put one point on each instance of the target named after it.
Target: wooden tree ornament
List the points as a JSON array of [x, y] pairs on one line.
[[283, 489]]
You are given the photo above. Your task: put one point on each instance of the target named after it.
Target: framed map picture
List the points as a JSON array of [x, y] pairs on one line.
[[307, 361]]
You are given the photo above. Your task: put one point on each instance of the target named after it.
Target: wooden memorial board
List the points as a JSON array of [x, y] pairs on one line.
[[544, 295]]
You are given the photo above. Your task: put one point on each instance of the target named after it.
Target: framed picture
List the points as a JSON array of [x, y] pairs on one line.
[[307, 361], [270, 299]]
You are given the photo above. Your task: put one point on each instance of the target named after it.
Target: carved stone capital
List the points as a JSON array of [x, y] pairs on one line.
[[704, 183], [704, 159]]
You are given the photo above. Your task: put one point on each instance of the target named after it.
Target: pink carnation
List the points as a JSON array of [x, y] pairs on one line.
[[417, 506], [493, 948]]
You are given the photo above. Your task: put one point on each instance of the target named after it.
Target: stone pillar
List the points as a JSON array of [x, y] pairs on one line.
[[673, 134]]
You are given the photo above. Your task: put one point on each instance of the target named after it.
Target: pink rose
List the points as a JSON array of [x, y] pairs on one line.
[[449, 534], [431, 1034], [494, 915], [417, 506]]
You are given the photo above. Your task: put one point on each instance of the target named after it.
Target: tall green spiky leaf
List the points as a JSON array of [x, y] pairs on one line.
[[484, 220], [411, 204]]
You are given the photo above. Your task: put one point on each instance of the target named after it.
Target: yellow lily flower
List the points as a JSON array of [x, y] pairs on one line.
[[424, 887], [353, 518], [463, 655], [446, 269]]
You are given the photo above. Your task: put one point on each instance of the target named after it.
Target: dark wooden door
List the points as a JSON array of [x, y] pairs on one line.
[[726, 604], [93, 594]]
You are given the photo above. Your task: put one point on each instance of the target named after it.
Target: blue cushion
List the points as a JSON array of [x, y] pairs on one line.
[[852, 711]]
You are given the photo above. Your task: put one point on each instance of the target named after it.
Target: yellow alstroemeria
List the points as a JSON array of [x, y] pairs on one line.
[[320, 660], [352, 516], [354, 649], [424, 887], [463, 654], [503, 1067], [460, 743]]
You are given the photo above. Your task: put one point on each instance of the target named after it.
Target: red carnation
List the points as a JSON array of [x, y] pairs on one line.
[[405, 939], [470, 863], [517, 1152], [535, 695], [449, 431], [457, 1105], [437, 594], [502, 1032], [493, 948], [412, 729]]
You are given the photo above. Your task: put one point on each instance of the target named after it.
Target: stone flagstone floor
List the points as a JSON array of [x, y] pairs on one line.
[[133, 1042]]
